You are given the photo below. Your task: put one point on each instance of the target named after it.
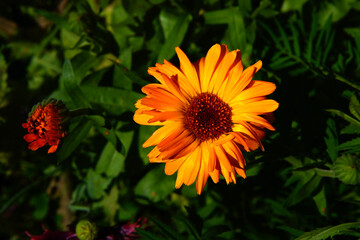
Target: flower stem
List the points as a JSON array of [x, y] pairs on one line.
[[325, 173]]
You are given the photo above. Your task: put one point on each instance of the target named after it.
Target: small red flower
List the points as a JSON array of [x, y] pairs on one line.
[[128, 230], [45, 125]]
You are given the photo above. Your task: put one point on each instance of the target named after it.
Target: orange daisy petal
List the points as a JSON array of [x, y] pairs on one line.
[[210, 111]]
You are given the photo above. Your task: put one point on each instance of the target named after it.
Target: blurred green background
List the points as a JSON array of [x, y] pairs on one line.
[[92, 53]]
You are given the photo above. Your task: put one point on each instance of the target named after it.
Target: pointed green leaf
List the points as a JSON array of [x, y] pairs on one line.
[[214, 231], [313, 29], [236, 30], [175, 38], [331, 139], [350, 129], [284, 37], [295, 37], [114, 101], [294, 232], [351, 145], [74, 138], [326, 232], [71, 86], [167, 230], [320, 201], [111, 162], [354, 106], [345, 116], [221, 16], [146, 235], [190, 227], [303, 190]]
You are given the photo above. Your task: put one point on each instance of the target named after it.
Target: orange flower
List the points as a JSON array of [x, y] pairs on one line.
[[45, 125], [210, 111]]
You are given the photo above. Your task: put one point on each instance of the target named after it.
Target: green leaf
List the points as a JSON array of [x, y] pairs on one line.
[[294, 232], [236, 30], [166, 230], [168, 19], [214, 231], [109, 205], [329, 46], [284, 37], [110, 135], [175, 38], [354, 106], [114, 101], [331, 139], [303, 190], [155, 185], [144, 133], [253, 169], [40, 203], [74, 138], [313, 29], [355, 34], [320, 201], [190, 227], [71, 86], [352, 145], [295, 37], [326, 232], [82, 63], [345, 116], [146, 235], [292, 5], [218, 16], [60, 21], [271, 33], [347, 169], [121, 79], [111, 162], [350, 129], [96, 184], [126, 57]]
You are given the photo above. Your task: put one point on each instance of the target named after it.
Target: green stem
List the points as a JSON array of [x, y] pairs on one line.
[[325, 173]]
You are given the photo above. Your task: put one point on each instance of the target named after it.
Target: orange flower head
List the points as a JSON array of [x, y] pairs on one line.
[[45, 125], [210, 112]]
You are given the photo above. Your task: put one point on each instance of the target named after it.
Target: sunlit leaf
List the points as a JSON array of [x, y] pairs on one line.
[[175, 38]]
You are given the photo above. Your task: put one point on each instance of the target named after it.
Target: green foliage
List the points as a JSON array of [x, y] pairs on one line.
[[94, 56], [326, 232]]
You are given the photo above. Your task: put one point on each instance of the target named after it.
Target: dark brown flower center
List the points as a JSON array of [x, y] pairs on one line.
[[208, 117]]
